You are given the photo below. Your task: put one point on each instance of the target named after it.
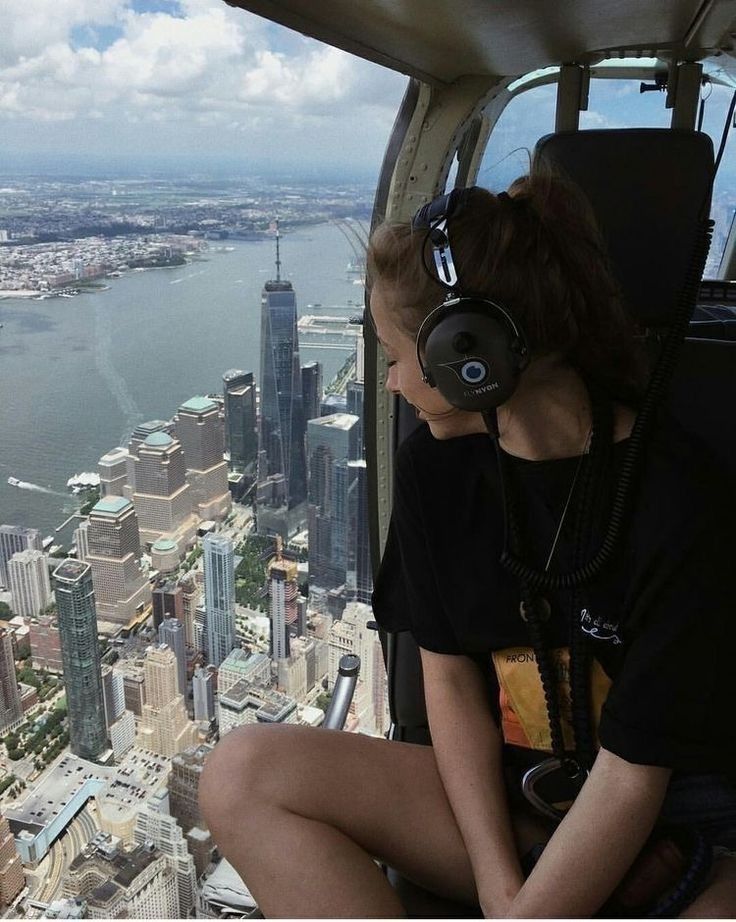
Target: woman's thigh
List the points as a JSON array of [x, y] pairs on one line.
[[718, 900], [385, 796]]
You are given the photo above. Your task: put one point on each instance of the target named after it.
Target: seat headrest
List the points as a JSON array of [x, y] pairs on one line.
[[650, 190]]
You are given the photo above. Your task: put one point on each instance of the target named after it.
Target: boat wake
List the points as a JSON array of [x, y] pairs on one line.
[[116, 383], [185, 277], [24, 485]]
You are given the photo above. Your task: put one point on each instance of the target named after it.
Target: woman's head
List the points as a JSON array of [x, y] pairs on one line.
[[539, 254]]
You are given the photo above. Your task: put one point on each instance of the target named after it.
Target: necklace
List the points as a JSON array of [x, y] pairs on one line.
[[543, 608], [578, 467]]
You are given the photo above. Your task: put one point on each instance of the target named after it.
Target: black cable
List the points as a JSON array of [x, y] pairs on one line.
[[724, 135], [594, 468], [592, 497], [631, 466]]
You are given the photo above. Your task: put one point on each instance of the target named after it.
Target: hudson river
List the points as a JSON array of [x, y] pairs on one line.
[[77, 374]]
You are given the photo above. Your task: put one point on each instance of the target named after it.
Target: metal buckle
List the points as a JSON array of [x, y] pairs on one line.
[[569, 769]]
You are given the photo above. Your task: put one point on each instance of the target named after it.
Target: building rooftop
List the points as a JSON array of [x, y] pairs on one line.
[[335, 421], [198, 404], [70, 569], [193, 757], [270, 706], [164, 545], [145, 429], [111, 505], [71, 778], [113, 456], [158, 440], [28, 555], [241, 661], [236, 374]]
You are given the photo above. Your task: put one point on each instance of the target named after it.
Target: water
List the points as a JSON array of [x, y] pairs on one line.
[[76, 375]]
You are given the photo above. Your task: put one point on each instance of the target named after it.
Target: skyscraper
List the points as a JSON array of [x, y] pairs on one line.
[[199, 428], [241, 424], [190, 599], [311, 389], [355, 400], [114, 551], [113, 471], [30, 586], [12, 878], [113, 692], [171, 632], [14, 539], [162, 495], [81, 539], [168, 601], [332, 443], [11, 711], [283, 591], [204, 694], [138, 436], [359, 578], [43, 634], [154, 825], [165, 727], [219, 594], [75, 600], [186, 770], [282, 409]]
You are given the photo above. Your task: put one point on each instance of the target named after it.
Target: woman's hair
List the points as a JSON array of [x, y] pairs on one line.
[[539, 254]]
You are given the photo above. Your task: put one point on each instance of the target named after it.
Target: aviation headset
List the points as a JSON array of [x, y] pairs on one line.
[[473, 350]]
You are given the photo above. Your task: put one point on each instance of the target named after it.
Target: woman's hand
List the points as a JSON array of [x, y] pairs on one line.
[[598, 841]]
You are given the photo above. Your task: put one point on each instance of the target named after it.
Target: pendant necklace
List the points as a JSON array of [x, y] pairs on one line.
[[543, 607]]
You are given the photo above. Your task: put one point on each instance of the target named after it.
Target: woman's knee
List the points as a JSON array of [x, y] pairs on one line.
[[237, 775]]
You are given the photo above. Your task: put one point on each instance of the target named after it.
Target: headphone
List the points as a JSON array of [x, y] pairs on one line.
[[473, 350]]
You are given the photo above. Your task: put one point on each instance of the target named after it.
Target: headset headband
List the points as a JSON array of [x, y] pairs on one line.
[[434, 217]]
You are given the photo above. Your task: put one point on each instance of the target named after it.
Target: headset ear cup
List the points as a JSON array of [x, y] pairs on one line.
[[521, 353], [473, 352]]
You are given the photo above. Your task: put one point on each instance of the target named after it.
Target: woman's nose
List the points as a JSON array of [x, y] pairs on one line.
[[392, 383]]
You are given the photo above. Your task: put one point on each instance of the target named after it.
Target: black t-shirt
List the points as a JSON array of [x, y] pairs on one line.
[[660, 619]]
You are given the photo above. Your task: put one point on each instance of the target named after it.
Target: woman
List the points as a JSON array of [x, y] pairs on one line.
[[301, 814]]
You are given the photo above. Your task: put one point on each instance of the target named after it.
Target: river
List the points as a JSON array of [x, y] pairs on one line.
[[77, 374]]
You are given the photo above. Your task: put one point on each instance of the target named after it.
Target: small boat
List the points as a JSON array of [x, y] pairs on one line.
[[14, 482]]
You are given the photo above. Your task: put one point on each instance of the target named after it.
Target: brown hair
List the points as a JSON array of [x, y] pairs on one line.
[[537, 252]]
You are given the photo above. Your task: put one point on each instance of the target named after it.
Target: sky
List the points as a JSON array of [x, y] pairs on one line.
[[183, 81], [186, 85]]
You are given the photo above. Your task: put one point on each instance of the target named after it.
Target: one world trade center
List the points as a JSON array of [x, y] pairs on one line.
[[282, 487]]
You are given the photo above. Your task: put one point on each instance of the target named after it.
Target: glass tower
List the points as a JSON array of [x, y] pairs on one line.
[[282, 409], [80, 653], [241, 430], [219, 595], [332, 443]]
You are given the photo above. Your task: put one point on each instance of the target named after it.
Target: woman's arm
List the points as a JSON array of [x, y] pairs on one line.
[[596, 843], [467, 747]]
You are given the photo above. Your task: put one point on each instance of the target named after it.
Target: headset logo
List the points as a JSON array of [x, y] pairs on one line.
[[473, 371], [482, 390]]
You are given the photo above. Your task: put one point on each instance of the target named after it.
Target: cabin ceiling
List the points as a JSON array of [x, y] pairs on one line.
[[438, 41]]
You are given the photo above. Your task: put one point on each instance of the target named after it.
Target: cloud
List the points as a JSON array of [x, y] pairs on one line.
[[198, 66], [30, 26]]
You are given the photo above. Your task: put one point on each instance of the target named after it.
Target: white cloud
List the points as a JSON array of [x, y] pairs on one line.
[[210, 67], [30, 26]]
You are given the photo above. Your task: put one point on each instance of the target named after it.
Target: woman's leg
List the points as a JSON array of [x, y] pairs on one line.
[[718, 900], [300, 813]]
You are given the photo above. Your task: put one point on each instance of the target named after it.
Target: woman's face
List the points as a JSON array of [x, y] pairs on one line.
[[405, 376]]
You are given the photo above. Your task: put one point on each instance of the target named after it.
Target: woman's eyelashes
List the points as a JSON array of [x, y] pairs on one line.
[[390, 363]]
